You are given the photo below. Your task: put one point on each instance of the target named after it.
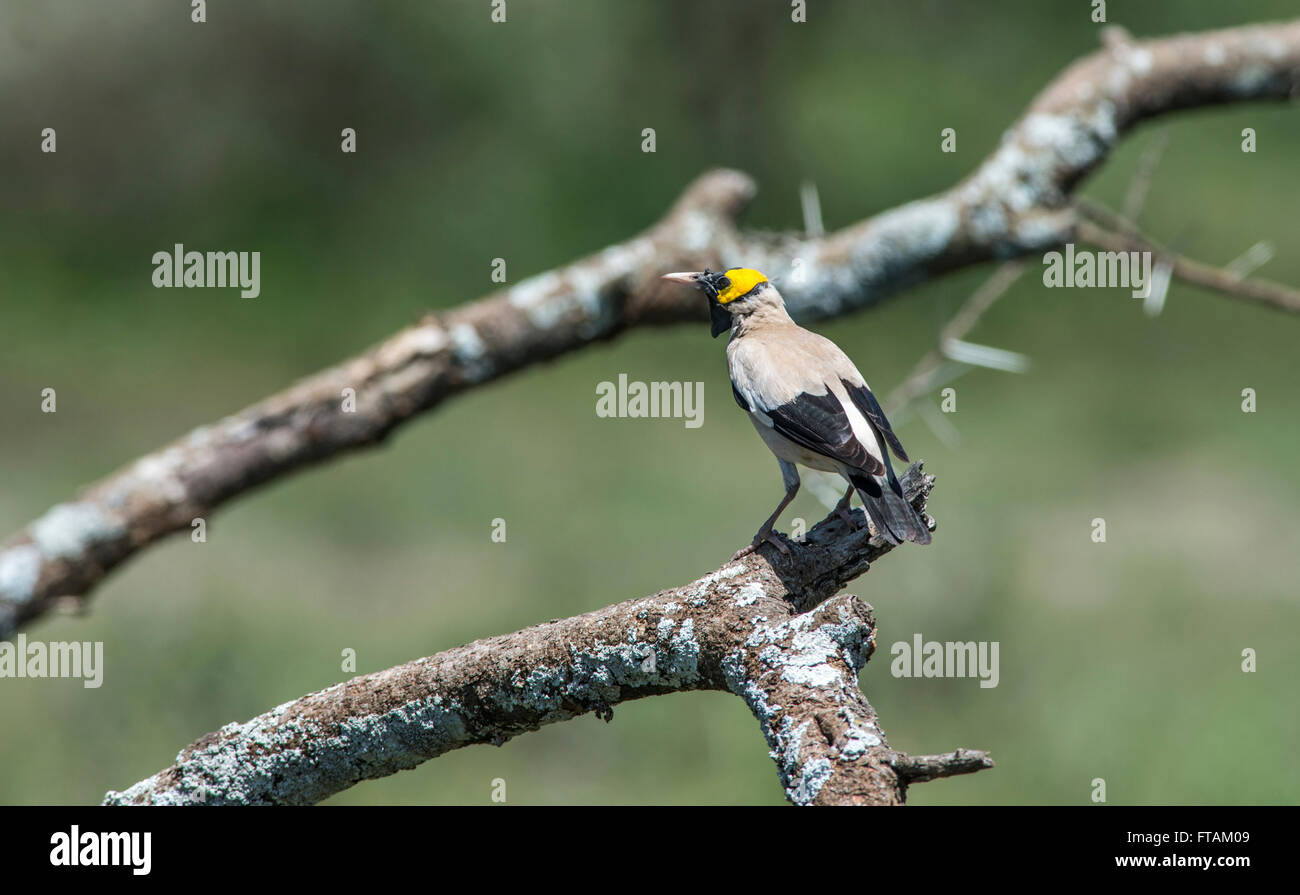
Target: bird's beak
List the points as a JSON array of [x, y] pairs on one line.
[[688, 277], [719, 319]]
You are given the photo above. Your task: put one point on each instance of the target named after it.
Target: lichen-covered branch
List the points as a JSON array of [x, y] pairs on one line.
[[1015, 203], [764, 627]]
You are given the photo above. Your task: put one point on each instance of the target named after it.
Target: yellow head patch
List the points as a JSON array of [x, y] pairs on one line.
[[742, 280]]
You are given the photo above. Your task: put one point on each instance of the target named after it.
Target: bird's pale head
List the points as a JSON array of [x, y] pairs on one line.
[[734, 292]]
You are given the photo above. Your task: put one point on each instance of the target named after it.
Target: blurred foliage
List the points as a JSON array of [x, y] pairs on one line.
[[522, 141]]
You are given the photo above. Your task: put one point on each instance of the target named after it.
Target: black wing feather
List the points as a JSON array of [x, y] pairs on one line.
[[740, 399], [819, 423], [871, 409]]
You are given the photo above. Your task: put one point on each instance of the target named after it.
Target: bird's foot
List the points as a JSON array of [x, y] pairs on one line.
[[845, 515], [769, 537]]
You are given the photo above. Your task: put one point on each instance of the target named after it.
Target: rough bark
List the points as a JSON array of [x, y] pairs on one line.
[[764, 627], [1016, 202]]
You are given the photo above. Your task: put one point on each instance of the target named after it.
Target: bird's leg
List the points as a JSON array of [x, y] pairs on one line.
[[790, 476], [842, 510]]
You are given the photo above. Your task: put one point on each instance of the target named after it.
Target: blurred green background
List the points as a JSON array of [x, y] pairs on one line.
[[522, 141]]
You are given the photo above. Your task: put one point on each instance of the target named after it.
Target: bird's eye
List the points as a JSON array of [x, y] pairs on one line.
[[723, 284]]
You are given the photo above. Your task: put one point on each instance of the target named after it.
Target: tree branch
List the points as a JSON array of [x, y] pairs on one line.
[[764, 627], [922, 768], [1107, 230], [1015, 203]]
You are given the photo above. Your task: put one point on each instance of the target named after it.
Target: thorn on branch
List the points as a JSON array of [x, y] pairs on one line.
[[1101, 227]]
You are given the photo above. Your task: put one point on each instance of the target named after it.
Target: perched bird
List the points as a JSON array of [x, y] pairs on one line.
[[808, 402]]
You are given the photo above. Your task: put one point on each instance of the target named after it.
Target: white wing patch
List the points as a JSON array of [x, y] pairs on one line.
[[862, 429]]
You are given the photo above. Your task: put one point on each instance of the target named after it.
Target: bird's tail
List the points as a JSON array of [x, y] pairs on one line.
[[888, 509]]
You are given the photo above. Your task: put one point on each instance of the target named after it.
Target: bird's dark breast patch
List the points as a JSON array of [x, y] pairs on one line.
[[819, 423]]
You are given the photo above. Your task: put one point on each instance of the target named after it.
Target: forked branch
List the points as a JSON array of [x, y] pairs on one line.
[[766, 628]]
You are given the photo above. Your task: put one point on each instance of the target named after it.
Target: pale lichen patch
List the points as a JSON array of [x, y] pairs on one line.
[[749, 594], [812, 777], [67, 530], [20, 570], [531, 292]]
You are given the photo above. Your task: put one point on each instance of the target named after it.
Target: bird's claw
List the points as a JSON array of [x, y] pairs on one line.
[[769, 537], [847, 515]]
